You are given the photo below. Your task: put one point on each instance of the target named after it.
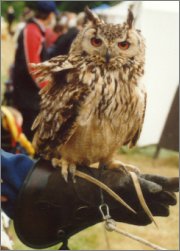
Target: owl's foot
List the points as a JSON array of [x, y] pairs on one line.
[[116, 164], [66, 168]]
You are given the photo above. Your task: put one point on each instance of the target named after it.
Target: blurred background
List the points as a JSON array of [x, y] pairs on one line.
[[158, 146]]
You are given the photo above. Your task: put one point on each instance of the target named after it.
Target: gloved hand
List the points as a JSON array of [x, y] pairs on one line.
[[54, 210], [14, 169]]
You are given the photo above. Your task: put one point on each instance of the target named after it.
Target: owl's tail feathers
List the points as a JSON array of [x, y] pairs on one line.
[[104, 187]]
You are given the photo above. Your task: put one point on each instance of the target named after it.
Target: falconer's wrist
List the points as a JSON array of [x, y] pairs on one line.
[[14, 170]]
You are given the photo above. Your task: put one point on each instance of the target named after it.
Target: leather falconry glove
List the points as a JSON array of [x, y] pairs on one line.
[[49, 210]]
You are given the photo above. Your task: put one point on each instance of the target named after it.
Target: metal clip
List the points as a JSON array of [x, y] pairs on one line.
[[104, 210], [110, 224]]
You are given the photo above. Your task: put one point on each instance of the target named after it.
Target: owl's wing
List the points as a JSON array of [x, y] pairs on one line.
[[136, 134], [57, 120], [43, 71]]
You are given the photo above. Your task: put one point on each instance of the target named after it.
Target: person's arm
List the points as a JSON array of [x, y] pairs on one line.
[[14, 169]]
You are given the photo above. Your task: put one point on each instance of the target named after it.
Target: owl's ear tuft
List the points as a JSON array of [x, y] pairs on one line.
[[130, 19], [92, 16]]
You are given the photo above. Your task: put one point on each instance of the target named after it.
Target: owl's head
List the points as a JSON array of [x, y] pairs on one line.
[[109, 43]]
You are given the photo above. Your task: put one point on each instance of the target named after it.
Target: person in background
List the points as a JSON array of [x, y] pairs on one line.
[[25, 16], [71, 24], [63, 43], [10, 18], [31, 49], [51, 37]]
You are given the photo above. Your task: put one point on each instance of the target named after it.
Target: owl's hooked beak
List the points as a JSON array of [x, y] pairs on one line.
[[107, 56]]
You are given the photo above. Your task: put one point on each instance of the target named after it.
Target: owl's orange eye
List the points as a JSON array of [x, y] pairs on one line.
[[124, 45], [96, 42]]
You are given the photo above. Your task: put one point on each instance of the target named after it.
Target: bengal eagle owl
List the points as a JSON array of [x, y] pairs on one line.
[[94, 102]]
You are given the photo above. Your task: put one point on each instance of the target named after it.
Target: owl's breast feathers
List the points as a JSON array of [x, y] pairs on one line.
[[83, 101]]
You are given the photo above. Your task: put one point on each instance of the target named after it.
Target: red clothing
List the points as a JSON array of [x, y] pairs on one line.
[[30, 49], [51, 37], [33, 40]]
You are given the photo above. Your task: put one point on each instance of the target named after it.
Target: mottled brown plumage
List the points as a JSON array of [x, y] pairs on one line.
[[94, 102]]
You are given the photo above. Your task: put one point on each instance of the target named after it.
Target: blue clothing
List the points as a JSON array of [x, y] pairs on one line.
[[14, 169]]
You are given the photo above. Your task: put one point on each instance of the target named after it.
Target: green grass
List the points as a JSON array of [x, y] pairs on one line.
[[148, 151], [146, 154]]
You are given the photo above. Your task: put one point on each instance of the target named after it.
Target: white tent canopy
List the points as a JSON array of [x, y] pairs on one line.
[[159, 22]]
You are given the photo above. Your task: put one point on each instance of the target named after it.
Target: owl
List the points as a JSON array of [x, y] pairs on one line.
[[94, 102]]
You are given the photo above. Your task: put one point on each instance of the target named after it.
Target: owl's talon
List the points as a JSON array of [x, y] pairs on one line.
[[129, 168], [132, 168], [65, 176], [72, 170], [116, 164], [66, 168], [55, 162]]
